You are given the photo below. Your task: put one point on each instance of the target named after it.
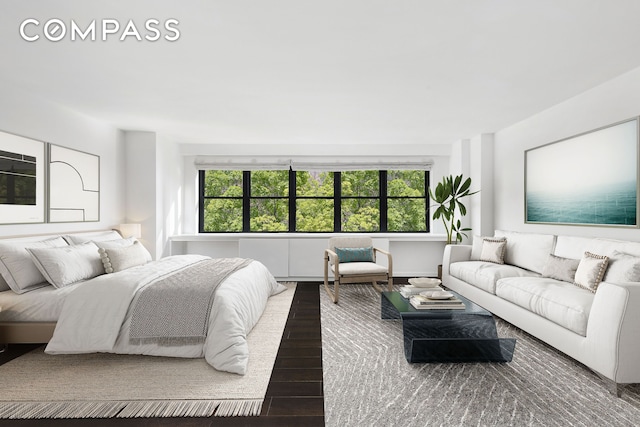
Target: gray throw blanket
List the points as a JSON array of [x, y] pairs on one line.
[[175, 309]]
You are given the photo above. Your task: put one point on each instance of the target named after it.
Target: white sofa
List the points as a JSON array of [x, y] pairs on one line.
[[600, 330]]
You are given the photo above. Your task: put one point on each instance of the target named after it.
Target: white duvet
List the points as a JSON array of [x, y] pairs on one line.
[[95, 316]]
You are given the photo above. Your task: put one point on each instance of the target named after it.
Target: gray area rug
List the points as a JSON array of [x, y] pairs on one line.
[[38, 385], [367, 380]]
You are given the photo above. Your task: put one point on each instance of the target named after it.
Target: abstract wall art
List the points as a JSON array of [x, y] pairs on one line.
[[22, 180], [74, 185], [587, 179]]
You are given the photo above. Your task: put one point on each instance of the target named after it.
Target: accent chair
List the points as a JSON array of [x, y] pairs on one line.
[[353, 260]]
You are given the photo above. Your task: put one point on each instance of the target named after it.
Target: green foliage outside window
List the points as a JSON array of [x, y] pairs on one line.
[[314, 201], [361, 195], [407, 198], [224, 211]]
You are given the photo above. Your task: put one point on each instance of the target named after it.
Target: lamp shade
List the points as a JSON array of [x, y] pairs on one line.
[[130, 230]]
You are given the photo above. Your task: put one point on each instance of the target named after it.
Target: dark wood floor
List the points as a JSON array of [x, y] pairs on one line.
[[294, 396]]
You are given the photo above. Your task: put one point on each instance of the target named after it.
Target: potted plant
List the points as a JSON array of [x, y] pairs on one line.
[[447, 197]]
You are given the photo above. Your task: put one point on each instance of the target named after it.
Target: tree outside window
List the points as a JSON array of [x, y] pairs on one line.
[[321, 201]]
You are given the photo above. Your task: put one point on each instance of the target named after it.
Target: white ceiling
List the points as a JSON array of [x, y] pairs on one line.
[[324, 71]]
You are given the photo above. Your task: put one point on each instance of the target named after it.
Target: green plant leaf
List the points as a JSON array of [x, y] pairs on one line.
[[456, 184], [465, 185]]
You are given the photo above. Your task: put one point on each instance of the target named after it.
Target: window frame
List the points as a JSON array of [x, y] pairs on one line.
[[382, 198]]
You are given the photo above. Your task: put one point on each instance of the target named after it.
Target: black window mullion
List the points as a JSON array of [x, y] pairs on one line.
[[201, 182], [337, 202], [383, 200], [427, 177], [246, 201], [293, 194]]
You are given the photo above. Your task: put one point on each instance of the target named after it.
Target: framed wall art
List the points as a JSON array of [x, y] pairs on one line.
[[74, 185], [587, 179], [22, 180]]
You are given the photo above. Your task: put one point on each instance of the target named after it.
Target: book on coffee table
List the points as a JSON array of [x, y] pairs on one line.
[[423, 303]]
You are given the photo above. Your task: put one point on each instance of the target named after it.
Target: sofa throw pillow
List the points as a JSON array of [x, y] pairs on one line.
[[591, 270], [622, 268], [355, 254], [122, 258], [493, 250], [560, 268], [68, 264]]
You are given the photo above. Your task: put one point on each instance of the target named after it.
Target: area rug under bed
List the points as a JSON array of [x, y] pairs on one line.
[[37, 385]]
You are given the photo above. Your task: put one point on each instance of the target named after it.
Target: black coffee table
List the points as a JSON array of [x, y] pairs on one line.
[[467, 335]]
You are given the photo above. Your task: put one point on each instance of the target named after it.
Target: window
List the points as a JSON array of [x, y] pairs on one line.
[[314, 201]]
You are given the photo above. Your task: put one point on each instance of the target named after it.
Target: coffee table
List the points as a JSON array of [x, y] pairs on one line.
[[447, 335]]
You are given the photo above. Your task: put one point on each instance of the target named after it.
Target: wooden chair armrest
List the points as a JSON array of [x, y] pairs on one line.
[[382, 251], [389, 258], [330, 255]]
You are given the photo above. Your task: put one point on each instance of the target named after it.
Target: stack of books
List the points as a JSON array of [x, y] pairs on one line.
[[423, 303]]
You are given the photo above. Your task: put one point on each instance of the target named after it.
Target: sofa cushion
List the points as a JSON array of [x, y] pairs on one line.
[[571, 246], [560, 302], [484, 275], [527, 250], [360, 268], [608, 246]]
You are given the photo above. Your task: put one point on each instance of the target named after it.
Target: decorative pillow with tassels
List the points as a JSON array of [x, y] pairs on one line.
[[591, 271]]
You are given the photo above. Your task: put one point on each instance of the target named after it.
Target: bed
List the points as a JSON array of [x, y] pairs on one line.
[[99, 292]]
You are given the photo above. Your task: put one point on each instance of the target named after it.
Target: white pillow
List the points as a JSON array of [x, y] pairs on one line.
[[118, 259], [493, 250], [591, 270], [476, 247], [623, 268], [67, 265], [100, 236], [17, 267], [116, 243], [121, 243]]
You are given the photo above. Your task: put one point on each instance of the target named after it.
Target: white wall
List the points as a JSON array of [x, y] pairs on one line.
[[170, 178], [481, 172], [154, 188], [23, 114], [608, 103], [141, 190]]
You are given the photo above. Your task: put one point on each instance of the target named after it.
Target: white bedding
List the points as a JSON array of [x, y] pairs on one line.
[[95, 316], [40, 305]]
